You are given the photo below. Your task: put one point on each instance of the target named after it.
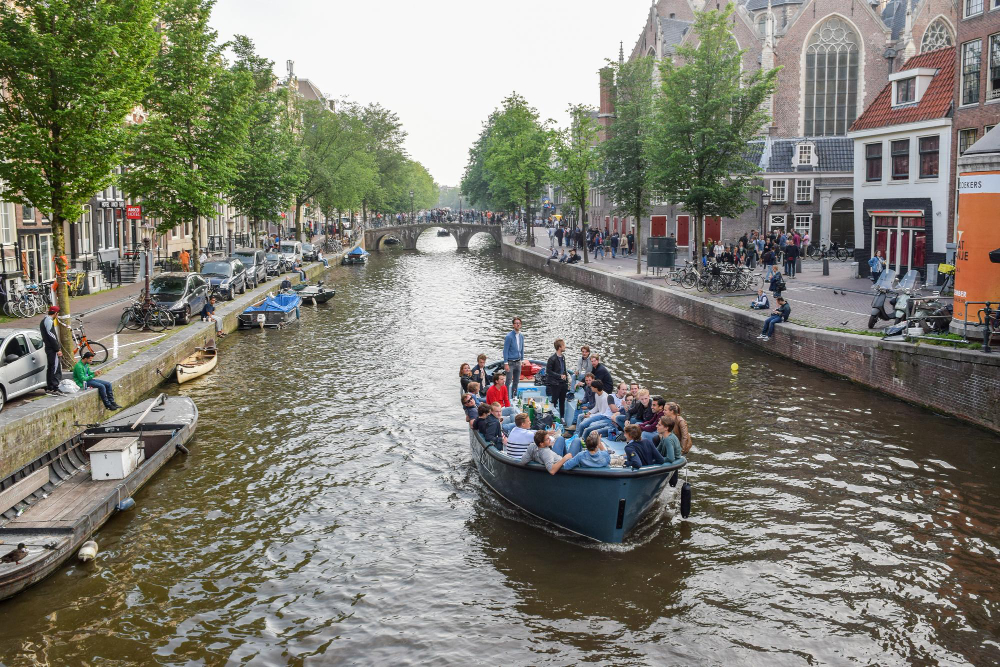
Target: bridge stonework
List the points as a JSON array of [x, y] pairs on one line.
[[408, 234]]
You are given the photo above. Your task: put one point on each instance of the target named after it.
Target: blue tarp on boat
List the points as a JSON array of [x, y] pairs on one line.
[[283, 302], [357, 251]]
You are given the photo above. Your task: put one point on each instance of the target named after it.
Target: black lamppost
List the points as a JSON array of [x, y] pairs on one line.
[[411, 207], [230, 227], [765, 200], [148, 230]]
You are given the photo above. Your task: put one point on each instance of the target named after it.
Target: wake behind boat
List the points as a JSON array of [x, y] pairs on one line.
[[58, 501]]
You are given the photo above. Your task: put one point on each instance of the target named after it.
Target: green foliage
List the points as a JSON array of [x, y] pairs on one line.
[[266, 165], [385, 137], [186, 154], [576, 157], [518, 152], [706, 112], [449, 197], [625, 173]]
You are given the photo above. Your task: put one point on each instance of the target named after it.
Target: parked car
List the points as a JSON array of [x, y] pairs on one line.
[[291, 251], [275, 264], [183, 294], [310, 252], [22, 363], [255, 262], [228, 276]]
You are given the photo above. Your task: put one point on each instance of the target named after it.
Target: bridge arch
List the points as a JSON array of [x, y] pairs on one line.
[[408, 234]]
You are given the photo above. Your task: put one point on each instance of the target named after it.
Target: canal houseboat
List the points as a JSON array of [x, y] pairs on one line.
[[271, 312], [57, 502]]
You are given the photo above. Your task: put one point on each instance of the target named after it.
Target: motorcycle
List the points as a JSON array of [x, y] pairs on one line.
[[886, 295]]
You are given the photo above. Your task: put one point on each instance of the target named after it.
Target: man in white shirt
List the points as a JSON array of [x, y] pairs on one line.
[[520, 437], [601, 413]]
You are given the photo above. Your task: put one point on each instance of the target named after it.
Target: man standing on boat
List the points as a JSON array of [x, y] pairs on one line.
[[513, 354]]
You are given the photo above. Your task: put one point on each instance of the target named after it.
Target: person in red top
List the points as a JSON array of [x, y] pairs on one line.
[[649, 426], [497, 393]]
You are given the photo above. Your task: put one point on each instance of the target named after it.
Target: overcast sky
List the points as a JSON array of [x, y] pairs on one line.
[[442, 65]]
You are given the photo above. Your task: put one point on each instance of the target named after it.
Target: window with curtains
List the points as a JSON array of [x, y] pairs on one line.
[[906, 90], [27, 213], [900, 159], [929, 150], [778, 190], [966, 138], [831, 79], [873, 162], [971, 65], [993, 75]]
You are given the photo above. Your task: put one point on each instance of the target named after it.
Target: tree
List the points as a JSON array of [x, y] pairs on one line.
[[185, 156], [71, 70], [518, 152], [266, 166], [624, 177], [477, 186], [577, 157], [706, 112], [385, 137]]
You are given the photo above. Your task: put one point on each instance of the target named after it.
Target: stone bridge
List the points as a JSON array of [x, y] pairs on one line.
[[408, 234]]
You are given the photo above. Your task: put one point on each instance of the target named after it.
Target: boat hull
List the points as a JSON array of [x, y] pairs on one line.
[[196, 366], [602, 504], [178, 417]]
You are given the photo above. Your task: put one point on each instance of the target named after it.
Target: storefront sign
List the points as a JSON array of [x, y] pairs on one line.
[[133, 212], [976, 278]]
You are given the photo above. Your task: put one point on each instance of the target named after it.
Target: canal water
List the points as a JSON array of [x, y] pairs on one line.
[[329, 512]]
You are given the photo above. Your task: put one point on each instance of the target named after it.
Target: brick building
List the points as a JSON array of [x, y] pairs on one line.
[[835, 55], [977, 80]]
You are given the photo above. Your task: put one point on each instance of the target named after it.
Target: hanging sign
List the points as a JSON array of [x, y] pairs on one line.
[[133, 212]]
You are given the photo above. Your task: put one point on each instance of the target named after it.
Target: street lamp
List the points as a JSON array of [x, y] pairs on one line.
[[765, 200], [147, 230], [411, 207], [231, 227]]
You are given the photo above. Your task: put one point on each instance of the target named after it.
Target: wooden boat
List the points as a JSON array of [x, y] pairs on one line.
[[54, 504], [316, 293], [271, 311], [195, 365]]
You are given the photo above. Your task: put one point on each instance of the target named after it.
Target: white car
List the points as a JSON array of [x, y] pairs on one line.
[[291, 251], [22, 363]]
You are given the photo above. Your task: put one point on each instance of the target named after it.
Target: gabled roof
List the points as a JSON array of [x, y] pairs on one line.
[[757, 5], [776, 157], [672, 32], [935, 103], [990, 143]]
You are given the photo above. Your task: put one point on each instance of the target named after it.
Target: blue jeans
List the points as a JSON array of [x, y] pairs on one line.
[[648, 435], [103, 389], [584, 426], [769, 323], [561, 447]]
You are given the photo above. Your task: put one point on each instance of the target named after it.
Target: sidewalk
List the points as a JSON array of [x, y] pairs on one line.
[[837, 301]]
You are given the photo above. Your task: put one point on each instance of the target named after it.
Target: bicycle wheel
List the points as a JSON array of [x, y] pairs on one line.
[[25, 308], [757, 282], [157, 319], [100, 352], [123, 322], [689, 280], [812, 252], [715, 285], [702, 282], [842, 254]]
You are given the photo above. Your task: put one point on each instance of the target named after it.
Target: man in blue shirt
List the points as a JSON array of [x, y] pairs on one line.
[[513, 354]]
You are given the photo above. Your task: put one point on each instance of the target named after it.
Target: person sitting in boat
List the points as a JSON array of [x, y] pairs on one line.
[[639, 452], [637, 408], [491, 427], [83, 375], [665, 441], [465, 376], [498, 394], [286, 283], [481, 375], [601, 372], [540, 451], [471, 410], [582, 368], [595, 456], [474, 390], [649, 426], [482, 411], [520, 436], [588, 394], [600, 414], [680, 427]]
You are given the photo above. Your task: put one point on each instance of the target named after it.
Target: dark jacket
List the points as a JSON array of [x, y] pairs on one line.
[[791, 251], [50, 338], [601, 373], [784, 310], [573, 259], [489, 427], [776, 282], [483, 377], [555, 367], [640, 453], [640, 413]]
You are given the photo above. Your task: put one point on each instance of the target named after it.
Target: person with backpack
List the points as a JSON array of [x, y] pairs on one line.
[[779, 314], [777, 285]]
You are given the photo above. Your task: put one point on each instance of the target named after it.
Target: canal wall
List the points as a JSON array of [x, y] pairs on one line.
[[957, 382], [29, 430]]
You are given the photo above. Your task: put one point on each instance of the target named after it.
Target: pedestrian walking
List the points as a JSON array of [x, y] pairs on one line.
[[631, 243], [53, 351], [559, 235], [552, 238], [185, 258], [513, 354]]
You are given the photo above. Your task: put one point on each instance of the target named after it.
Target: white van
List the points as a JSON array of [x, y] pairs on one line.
[[291, 252]]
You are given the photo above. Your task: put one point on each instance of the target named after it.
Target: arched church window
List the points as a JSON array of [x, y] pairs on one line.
[[937, 36], [833, 57]]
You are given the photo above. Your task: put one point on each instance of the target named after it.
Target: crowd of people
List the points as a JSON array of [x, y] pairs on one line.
[[777, 251], [570, 240], [651, 427]]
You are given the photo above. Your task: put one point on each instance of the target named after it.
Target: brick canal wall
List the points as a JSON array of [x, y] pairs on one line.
[[38, 426], [961, 383]]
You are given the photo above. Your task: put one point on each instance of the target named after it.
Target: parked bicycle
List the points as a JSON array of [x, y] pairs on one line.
[[686, 276], [833, 252], [144, 313], [81, 343], [521, 238]]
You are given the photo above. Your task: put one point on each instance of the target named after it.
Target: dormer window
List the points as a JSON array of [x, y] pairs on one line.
[[805, 154], [906, 91]]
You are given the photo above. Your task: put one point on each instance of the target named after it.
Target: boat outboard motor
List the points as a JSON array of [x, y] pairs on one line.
[[884, 303]]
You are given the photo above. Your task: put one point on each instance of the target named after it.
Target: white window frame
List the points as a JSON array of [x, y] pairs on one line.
[[809, 188], [45, 256], [965, 8], [804, 154], [7, 223], [911, 84], [802, 222], [780, 219], [783, 187], [85, 239]]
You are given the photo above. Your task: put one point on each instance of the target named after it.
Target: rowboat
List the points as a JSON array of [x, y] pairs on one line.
[[273, 311], [195, 365], [316, 293], [54, 504], [603, 504]]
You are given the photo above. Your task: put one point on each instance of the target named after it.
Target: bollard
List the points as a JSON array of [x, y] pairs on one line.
[[826, 266], [114, 347]]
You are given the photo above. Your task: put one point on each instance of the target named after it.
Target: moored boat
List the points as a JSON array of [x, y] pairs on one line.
[[195, 365], [356, 255], [57, 502], [316, 293], [443, 232], [273, 311]]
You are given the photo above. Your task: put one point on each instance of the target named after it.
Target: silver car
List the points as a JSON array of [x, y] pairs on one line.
[[22, 363]]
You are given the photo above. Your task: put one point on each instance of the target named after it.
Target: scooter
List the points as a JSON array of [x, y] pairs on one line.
[[886, 295]]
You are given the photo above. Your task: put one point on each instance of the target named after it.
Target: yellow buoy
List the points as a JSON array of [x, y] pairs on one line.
[[735, 367]]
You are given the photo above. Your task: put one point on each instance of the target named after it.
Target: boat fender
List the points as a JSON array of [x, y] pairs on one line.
[[88, 551], [686, 500], [126, 504], [183, 449], [673, 479]]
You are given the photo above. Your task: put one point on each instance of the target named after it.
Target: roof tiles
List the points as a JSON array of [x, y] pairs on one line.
[[935, 103]]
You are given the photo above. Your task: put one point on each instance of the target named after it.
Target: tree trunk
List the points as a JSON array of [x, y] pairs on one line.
[[697, 237], [583, 227], [638, 243], [62, 291], [196, 244], [298, 220], [253, 233]]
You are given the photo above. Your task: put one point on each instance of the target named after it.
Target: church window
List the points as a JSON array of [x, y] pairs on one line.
[[831, 83], [937, 36]]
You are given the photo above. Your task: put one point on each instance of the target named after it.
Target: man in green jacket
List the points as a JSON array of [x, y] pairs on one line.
[[83, 375]]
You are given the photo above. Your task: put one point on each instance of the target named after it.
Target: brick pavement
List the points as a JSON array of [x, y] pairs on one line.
[[838, 301]]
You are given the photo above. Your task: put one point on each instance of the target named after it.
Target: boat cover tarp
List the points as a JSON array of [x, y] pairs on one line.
[[282, 302], [357, 251]]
